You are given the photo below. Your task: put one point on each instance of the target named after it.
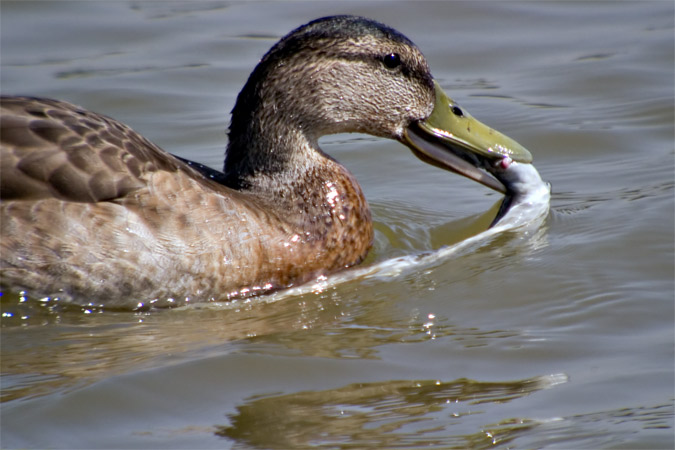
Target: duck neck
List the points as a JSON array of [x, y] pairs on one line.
[[286, 171], [276, 122], [261, 150]]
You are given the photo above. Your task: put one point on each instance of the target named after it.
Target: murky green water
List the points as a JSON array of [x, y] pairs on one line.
[[559, 339]]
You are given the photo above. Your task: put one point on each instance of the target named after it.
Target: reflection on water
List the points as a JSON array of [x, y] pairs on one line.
[[387, 414], [50, 348]]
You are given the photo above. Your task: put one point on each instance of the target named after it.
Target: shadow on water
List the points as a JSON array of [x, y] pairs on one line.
[[385, 414]]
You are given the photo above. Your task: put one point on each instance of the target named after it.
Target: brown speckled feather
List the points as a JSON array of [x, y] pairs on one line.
[[55, 149]]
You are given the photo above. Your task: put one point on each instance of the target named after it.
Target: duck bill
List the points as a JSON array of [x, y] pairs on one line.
[[453, 140]]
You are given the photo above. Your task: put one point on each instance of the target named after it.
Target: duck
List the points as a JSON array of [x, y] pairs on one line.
[[93, 213]]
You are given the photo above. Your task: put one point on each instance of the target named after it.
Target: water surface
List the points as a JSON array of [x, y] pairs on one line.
[[559, 338]]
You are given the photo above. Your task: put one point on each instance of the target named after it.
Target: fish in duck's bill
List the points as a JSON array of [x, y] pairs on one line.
[[452, 139]]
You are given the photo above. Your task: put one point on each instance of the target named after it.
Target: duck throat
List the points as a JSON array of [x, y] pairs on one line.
[[273, 155], [308, 194]]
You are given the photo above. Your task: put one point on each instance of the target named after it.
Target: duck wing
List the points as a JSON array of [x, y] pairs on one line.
[[53, 149]]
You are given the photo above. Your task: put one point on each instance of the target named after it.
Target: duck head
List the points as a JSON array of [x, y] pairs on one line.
[[350, 74]]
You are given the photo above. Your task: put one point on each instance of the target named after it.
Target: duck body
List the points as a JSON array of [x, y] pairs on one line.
[[115, 217], [94, 213]]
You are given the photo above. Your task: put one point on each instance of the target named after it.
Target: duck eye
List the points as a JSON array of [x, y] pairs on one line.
[[392, 60], [456, 110]]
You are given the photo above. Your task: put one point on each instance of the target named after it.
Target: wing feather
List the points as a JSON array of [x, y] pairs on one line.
[[53, 149]]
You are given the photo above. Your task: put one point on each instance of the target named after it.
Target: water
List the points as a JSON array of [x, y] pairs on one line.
[[561, 338]]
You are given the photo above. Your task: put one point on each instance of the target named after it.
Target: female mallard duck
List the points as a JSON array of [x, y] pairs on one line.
[[94, 213]]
